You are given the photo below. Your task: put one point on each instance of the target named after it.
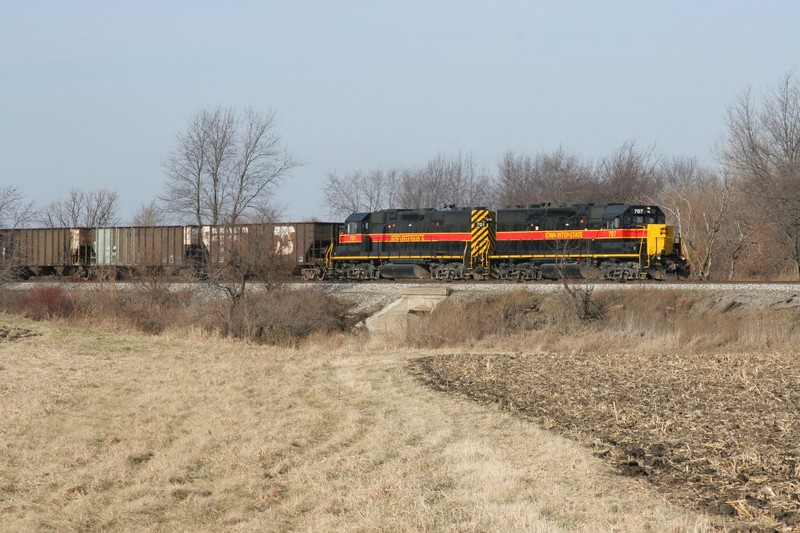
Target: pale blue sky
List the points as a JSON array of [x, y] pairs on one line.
[[93, 93]]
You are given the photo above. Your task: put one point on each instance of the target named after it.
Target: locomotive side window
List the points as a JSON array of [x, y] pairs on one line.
[[352, 228]]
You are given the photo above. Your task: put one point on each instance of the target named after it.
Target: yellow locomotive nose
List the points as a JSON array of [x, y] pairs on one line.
[[660, 239]]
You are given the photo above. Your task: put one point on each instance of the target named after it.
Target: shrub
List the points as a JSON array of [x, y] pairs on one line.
[[283, 317], [456, 321], [151, 309], [47, 302], [11, 300]]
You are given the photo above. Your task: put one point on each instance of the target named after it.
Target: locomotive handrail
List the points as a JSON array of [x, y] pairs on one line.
[[642, 241], [328, 261]]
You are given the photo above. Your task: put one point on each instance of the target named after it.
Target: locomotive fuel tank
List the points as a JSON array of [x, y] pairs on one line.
[[404, 271]]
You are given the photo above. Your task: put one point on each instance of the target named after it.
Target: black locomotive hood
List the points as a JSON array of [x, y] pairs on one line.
[[615, 210], [356, 217]]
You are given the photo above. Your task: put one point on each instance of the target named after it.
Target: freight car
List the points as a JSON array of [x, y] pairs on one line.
[[610, 241], [267, 250], [186, 251], [123, 252], [27, 252]]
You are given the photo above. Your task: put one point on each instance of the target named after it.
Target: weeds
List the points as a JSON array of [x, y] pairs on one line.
[[283, 317], [462, 320], [583, 319], [277, 317], [47, 302], [586, 319]]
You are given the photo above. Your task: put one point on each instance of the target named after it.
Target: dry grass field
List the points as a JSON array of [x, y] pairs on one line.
[[105, 431], [155, 410]]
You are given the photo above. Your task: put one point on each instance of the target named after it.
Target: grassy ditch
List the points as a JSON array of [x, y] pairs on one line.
[[641, 320]]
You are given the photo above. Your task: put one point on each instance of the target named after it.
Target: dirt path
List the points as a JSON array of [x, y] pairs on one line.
[[469, 468]]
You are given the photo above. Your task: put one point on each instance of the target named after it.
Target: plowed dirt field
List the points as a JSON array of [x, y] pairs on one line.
[[720, 432]]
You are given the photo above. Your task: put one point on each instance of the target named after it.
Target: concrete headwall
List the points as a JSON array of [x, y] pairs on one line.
[[393, 319]]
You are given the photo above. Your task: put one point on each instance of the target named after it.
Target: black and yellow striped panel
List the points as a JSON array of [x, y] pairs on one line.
[[483, 234]]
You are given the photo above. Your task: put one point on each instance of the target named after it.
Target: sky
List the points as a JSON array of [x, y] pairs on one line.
[[94, 93]]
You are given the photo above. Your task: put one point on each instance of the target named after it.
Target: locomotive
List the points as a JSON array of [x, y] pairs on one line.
[[609, 241], [522, 243]]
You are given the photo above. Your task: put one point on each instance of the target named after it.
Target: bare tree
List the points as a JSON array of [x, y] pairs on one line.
[[556, 177], [15, 212], [445, 180], [739, 238], [713, 221], [360, 191], [629, 174], [82, 209], [709, 213], [681, 178], [518, 181], [762, 147], [226, 166], [186, 169], [219, 162], [266, 214], [149, 214], [261, 165]]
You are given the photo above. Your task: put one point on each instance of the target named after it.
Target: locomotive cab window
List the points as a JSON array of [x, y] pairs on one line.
[[636, 221], [356, 222]]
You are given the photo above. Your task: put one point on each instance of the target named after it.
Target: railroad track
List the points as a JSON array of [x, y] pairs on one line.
[[395, 286]]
